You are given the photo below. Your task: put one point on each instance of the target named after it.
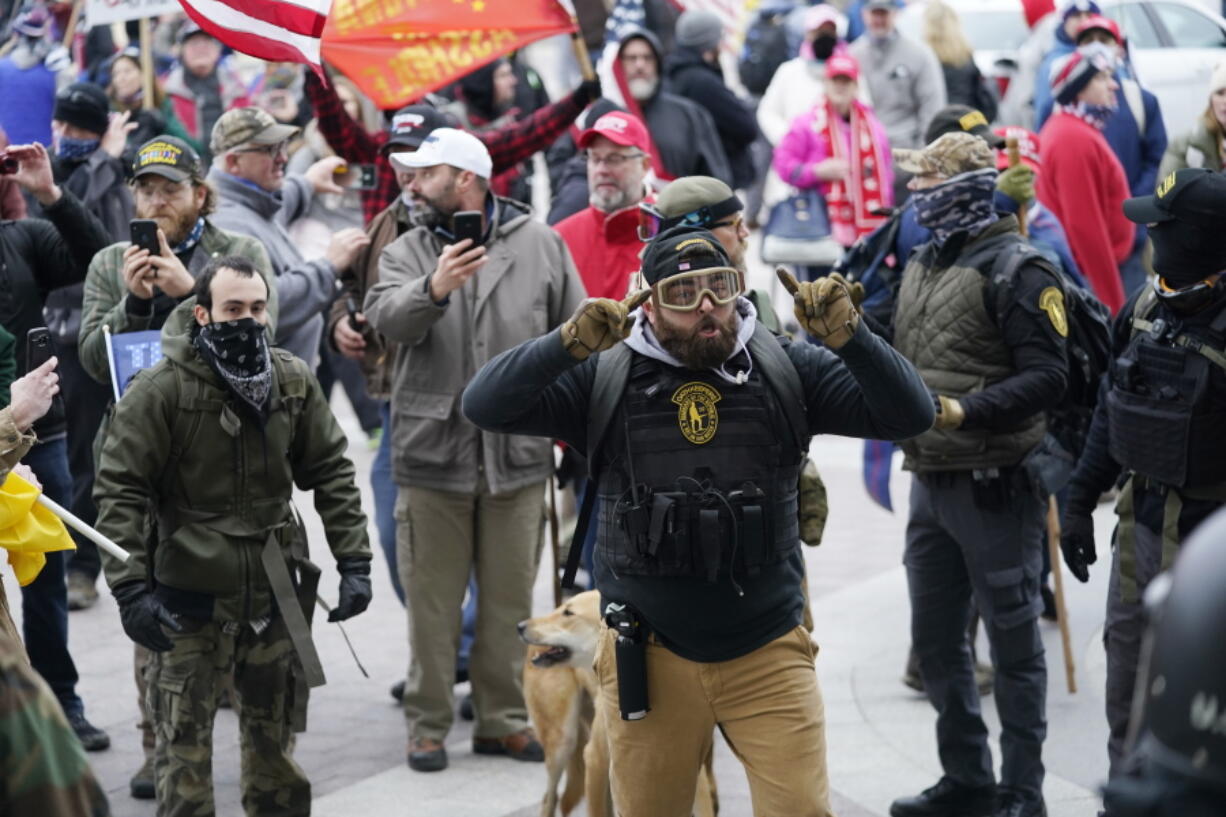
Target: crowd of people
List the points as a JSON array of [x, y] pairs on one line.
[[284, 236]]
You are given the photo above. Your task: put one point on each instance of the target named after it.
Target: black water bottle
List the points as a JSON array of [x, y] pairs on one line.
[[631, 652]]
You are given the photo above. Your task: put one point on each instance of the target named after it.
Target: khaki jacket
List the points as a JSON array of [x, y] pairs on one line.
[[13, 443], [528, 286]]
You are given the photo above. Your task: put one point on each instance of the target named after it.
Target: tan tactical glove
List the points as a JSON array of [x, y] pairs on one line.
[[949, 412], [828, 308], [600, 323]]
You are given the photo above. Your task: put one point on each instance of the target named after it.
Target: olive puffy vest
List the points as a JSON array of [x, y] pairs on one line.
[[942, 325]]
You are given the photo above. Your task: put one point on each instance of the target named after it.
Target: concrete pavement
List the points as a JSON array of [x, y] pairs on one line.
[[880, 734]]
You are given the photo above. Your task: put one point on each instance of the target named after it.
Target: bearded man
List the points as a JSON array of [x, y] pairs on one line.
[[468, 502], [694, 429]]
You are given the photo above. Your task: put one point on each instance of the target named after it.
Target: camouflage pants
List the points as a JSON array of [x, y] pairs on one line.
[[182, 701]]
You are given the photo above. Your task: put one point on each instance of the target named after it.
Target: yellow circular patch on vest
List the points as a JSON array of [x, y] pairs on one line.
[[1051, 301], [696, 412]]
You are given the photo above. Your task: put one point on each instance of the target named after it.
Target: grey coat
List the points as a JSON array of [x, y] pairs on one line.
[[528, 286], [906, 83], [305, 289]]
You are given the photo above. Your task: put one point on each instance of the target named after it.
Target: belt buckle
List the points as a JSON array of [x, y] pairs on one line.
[[1158, 329]]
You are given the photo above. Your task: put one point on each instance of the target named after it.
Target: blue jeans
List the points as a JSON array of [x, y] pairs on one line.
[[44, 601], [384, 489]]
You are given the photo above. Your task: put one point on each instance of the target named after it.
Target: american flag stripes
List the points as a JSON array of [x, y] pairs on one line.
[[277, 30]]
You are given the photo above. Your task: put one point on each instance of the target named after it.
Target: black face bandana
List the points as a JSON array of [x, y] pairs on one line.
[[238, 352], [823, 45], [1185, 254]]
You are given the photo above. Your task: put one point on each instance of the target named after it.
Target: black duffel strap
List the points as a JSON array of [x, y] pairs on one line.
[[576, 540]]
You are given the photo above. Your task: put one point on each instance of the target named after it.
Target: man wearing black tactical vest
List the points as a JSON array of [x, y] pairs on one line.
[[694, 430], [989, 341], [1158, 427]]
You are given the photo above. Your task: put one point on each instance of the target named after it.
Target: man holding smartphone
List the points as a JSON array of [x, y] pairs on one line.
[[466, 500]]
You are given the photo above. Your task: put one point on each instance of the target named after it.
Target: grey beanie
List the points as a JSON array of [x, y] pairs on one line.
[[699, 29]]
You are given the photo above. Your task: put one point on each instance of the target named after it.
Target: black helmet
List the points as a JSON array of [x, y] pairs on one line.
[[1184, 682]]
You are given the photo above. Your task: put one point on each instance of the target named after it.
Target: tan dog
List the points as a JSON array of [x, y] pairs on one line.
[[564, 703]]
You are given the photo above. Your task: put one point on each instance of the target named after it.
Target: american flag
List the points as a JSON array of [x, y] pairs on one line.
[[275, 30]]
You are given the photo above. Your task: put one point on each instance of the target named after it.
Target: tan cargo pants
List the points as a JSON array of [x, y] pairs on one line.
[[441, 538], [767, 704]]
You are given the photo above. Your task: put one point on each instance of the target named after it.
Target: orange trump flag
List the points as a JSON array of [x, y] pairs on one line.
[[397, 51]]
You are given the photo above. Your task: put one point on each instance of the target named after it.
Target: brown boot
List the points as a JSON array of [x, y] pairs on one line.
[[521, 745], [427, 755]]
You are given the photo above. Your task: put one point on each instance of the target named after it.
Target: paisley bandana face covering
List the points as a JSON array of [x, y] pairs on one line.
[[963, 203], [238, 352]]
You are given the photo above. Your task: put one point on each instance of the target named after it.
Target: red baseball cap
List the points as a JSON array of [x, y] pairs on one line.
[[842, 65], [619, 127], [1098, 21], [1027, 147]]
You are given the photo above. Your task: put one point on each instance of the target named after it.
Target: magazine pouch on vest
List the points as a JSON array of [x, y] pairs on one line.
[[699, 475], [1166, 423]]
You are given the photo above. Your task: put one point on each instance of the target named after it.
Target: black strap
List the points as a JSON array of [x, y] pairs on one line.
[[781, 375], [576, 540], [612, 372]]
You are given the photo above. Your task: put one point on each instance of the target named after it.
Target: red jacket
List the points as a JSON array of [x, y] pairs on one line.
[[1084, 185], [605, 247]]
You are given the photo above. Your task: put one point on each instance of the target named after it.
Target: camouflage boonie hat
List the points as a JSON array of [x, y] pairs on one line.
[[169, 157], [950, 155], [248, 126]]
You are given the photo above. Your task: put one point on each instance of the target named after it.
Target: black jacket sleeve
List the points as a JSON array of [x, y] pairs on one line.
[[63, 248], [1038, 350]]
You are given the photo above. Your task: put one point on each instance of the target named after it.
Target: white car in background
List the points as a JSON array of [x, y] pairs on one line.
[[1174, 45]]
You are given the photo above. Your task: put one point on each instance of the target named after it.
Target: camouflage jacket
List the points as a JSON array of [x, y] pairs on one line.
[[14, 443], [106, 301], [42, 765]]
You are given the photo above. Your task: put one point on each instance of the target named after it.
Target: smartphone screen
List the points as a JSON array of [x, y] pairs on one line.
[[467, 224], [358, 177], [144, 232]]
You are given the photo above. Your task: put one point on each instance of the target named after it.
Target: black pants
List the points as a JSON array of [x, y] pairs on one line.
[[967, 543], [85, 402]]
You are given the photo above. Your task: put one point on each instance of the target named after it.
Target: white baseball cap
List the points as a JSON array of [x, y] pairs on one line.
[[448, 146]]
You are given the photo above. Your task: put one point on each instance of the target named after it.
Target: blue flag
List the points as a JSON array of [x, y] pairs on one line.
[[878, 459], [129, 352]]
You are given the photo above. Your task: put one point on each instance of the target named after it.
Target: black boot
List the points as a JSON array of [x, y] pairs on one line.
[[1012, 804], [947, 798]]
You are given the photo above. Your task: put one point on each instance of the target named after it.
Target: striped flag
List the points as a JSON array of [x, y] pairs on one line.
[[275, 30]]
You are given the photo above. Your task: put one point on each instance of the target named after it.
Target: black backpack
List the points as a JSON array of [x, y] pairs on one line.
[[765, 49], [1088, 352]]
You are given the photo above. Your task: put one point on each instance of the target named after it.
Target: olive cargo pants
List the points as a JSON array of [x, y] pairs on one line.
[[442, 537], [766, 703], [182, 701]]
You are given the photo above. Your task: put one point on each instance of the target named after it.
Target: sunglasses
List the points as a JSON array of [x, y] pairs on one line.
[[651, 221], [684, 292]]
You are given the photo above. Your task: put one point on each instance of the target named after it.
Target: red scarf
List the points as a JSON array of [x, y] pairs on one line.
[[851, 202]]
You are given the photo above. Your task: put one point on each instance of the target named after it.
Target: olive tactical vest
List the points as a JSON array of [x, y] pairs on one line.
[[942, 325]]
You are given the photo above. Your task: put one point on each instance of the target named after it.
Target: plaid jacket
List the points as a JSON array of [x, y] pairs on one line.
[[508, 146]]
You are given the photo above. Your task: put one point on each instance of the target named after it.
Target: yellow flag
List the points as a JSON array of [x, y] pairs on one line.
[[28, 530]]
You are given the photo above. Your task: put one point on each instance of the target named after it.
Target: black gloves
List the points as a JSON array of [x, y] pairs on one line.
[[588, 91], [1077, 542], [144, 616], [354, 589]]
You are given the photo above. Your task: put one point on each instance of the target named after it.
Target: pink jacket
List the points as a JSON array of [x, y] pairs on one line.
[[805, 145]]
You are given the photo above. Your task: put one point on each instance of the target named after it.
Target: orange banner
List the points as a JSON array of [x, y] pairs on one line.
[[399, 50]]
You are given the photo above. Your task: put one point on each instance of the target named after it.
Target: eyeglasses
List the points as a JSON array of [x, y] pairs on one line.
[[272, 151], [613, 161], [684, 292]]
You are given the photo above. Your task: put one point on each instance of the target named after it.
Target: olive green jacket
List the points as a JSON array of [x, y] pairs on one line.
[[1193, 148], [106, 300], [177, 448]]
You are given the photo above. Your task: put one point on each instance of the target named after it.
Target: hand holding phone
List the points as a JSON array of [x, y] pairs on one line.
[[356, 177], [144, 234], [38, 347], [468, 224]]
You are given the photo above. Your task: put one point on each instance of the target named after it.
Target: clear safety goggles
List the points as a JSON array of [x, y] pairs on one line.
[[684, 292]]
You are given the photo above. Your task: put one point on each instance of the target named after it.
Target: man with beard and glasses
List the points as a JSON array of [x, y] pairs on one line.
[[604, 239], [684, 138], [695, 429], [257, 198], [212, 440], [1157, 425], [989, 340], [128, 289], [468, 501]]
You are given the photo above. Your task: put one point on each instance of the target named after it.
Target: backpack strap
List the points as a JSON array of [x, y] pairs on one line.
[[1141, 322], [612, 374], [780, 374]]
